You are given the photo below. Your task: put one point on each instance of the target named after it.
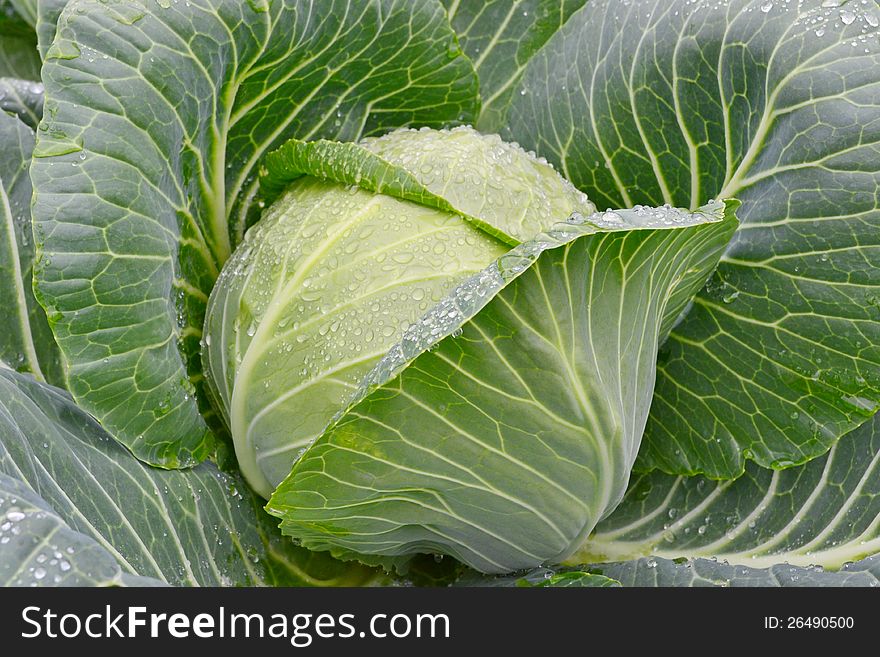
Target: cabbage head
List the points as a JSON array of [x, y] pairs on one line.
[[431, 341]]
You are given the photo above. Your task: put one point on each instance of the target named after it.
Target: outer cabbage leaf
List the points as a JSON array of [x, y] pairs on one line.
[[22, 98], [157, 117], [776, 104], [656, 572], [18, 43], [568, 579], [825, 513], [501, 36], [503, 426], [38, 548], [544, 578], [26, 342], [539, 578], [707, 572], [48, 13], [26, 10], [194, 527]]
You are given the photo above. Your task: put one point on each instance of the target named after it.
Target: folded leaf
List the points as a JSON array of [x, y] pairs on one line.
[[26, 342], [504, 424], [826, 513], [158, 115], [194, 527], [775, 104], [497, 187]]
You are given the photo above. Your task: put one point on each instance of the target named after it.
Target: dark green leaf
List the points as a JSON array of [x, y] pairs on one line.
[[159, 114], [17, 17], [47, 21], [500, 37], [193, 527], [776, 104], [26, 9], [541, 578], [23, 98], [706, 572], [26, 342], [38, 548], [826, 512], [571, 578], [657, 572], [18, 42]]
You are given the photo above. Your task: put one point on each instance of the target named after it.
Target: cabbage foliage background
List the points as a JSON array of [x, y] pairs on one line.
[[143, 159]]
